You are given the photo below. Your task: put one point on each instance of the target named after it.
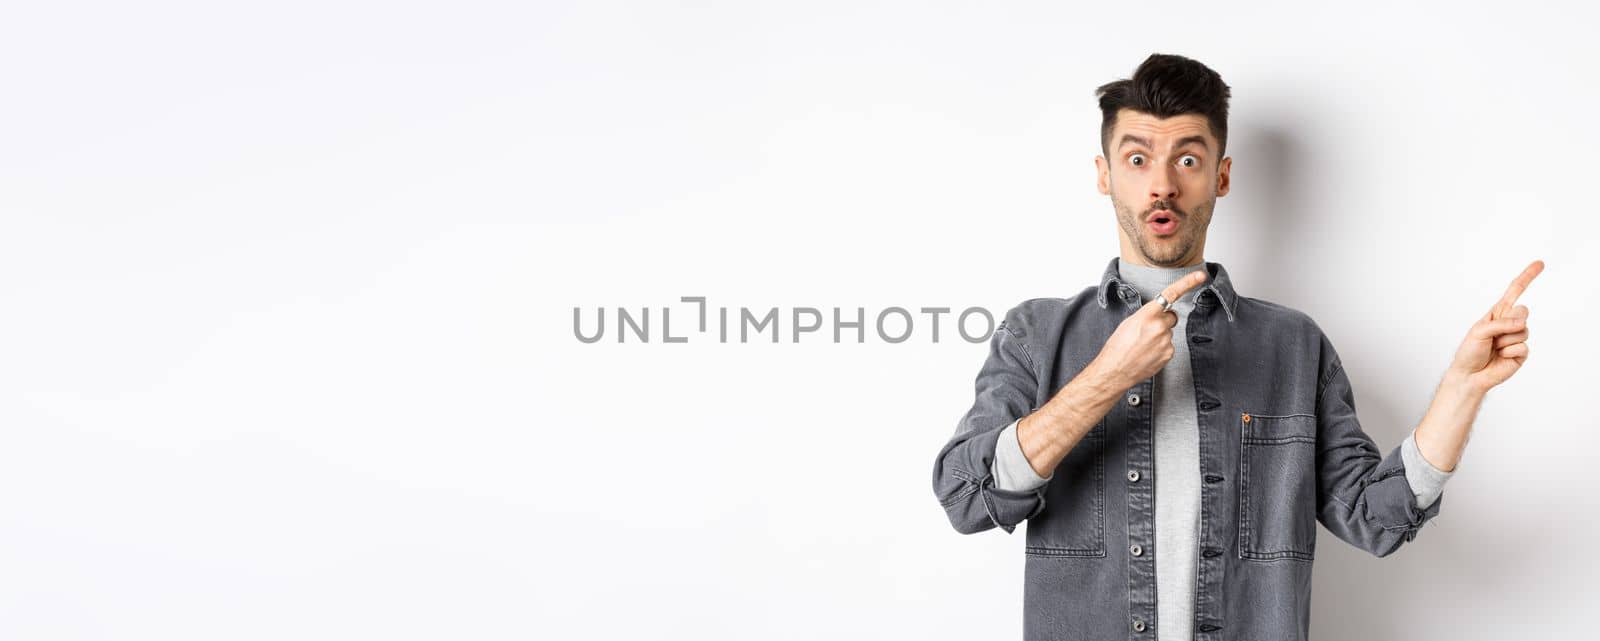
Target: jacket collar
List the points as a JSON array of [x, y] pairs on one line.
[[1219, 285]]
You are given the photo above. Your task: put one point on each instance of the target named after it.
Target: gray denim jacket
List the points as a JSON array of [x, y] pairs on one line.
[[1280, 450]]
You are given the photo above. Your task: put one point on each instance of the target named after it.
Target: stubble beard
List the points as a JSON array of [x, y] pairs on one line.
[[1172, 252]]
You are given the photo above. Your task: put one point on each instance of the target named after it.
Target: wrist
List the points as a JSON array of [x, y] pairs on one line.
[[1102, 380], [1459, 384]]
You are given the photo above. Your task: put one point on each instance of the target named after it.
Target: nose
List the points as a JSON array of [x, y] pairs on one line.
[[1164, 185]]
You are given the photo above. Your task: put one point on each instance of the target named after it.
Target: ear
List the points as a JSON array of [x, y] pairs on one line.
[[1103, 174], [1222, 176]]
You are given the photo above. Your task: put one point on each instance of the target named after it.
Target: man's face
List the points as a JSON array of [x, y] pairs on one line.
[[1163, 168]]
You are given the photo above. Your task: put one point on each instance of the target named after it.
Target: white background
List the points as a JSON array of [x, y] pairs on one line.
[[287, 351]]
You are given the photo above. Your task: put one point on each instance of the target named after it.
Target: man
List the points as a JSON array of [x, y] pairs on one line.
[[1173, 444]]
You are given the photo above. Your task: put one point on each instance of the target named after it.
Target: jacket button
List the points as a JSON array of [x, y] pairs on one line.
[[1133, 476], [1133, 399], [1207, 627], [1212, 478], [1135, 550], [1212, 553], [1138, 626]]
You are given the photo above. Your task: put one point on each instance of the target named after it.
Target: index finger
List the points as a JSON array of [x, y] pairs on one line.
[[1518, 285], [1189, 281]]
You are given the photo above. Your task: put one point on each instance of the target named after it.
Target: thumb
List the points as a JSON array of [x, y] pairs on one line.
[[1485, 330]]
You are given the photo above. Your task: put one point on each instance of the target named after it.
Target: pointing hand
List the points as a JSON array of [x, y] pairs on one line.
[[1496, 346], [1142, 344]]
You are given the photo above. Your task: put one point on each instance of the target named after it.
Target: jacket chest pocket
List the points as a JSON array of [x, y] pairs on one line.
[[1073, 521], [1277, 486]]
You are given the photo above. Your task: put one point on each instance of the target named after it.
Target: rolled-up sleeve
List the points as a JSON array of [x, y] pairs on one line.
[[1363, 498], [1012, 471], [964, 478], [1427, 481]]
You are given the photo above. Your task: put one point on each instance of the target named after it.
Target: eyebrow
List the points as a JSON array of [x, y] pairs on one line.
[[1200, 140]]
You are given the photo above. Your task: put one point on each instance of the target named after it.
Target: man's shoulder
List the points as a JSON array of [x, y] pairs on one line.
[[1271, 314]]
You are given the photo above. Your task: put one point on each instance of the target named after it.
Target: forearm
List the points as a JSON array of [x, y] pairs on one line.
[[1442, 434], [1051, 431]]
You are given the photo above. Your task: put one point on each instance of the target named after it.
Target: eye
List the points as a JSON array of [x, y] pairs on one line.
[[1189, 161], [1136, 160]]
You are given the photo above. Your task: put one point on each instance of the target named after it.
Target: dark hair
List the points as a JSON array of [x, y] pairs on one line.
[[1163, 86]]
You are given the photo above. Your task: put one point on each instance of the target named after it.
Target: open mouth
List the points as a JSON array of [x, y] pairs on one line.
[[1163, 224]]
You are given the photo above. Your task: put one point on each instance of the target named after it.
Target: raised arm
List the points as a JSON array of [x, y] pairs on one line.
[[1493, 350]]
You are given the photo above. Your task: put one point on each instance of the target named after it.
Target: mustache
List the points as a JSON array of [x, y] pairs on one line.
[[1164, 206]]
